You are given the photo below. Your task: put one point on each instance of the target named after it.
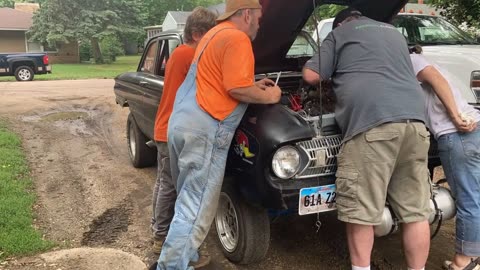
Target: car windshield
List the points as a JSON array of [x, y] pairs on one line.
[[430, 30], [302, 46]]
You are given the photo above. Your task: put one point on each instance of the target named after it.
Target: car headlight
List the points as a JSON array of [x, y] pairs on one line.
[[286, 162], [475, 83]]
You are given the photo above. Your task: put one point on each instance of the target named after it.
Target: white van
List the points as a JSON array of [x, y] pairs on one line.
[[442, 43]]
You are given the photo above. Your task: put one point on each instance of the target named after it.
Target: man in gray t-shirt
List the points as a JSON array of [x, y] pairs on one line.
[[380, 110]]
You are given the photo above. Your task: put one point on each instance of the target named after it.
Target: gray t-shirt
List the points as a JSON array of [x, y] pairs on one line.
[[372, 75]]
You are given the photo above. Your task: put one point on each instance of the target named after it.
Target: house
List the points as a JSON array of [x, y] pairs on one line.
[[14, 38], [153, 30], [175, 20]]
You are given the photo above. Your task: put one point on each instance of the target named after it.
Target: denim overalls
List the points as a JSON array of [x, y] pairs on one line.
[[198, 146]]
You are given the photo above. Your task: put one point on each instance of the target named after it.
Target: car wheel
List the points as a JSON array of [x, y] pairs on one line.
[[24, 73], [140, 154], [243, 230]]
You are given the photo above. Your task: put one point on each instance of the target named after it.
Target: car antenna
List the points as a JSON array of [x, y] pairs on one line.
[[315, 19]]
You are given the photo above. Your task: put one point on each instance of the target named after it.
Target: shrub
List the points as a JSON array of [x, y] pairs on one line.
[[85, 51], [111, 48]]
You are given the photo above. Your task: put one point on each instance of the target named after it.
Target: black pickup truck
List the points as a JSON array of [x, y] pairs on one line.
[[24, 66], [283, 156]]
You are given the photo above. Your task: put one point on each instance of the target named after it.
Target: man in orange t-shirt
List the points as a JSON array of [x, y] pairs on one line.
[[164, 195], [208, 108]]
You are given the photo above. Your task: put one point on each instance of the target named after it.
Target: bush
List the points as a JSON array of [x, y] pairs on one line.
[[111, 47], [85, 51]]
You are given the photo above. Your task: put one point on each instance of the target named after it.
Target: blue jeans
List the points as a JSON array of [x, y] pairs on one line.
[[460, 156]]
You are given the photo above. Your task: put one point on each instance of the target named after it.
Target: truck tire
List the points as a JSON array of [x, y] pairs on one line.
[[140, 154], [24, 73], [243, 230]]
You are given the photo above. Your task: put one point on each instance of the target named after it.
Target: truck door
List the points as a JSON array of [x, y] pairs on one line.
[[154, 85], [3, 64]]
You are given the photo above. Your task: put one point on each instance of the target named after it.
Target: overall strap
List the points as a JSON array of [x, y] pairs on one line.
[[208, 41]]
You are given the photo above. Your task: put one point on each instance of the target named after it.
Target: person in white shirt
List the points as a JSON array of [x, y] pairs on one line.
[[454, 122]]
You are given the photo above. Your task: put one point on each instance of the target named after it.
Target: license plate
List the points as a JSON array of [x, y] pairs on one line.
[[317, 199]]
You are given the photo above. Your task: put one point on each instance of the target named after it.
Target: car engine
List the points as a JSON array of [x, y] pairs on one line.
[[309, 102]]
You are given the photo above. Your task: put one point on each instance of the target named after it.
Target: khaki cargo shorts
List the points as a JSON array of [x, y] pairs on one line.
[[386, 163]]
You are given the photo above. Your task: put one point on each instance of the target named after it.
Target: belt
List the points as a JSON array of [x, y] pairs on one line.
[[406, 121]]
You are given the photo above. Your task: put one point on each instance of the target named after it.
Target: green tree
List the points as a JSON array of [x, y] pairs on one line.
[[323, 12], [11, 3], [7, 3], [460, 11], [87, 20]]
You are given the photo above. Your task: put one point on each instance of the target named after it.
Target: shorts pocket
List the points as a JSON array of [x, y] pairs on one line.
[[346, 183], [380, 146], [376, 136], [424, 135], [423, 145]]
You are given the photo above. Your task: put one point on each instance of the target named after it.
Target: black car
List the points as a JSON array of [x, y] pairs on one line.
[[282, 157]]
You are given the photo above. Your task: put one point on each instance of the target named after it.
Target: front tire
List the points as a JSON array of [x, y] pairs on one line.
[[140, 154], [243, 230], [24, 73]]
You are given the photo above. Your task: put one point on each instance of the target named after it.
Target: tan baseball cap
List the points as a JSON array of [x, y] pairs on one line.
[[232, 6]]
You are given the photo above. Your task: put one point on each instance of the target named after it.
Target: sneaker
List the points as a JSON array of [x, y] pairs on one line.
[[158, 244]]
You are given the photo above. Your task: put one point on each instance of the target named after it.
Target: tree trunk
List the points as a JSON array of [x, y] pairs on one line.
[[97, 53]]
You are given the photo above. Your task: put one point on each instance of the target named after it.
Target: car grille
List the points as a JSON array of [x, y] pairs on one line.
[[477, 94], [321, 153]]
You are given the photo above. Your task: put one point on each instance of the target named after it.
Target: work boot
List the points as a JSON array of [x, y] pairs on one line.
[[203, 260], [203, 255], [158, 244]]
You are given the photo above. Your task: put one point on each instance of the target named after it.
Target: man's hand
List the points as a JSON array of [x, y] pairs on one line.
[[260, 93], [264, 83], [463, 125], [274, 93]]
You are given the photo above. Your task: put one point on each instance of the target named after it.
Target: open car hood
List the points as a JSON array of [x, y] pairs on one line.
[[282, 20]]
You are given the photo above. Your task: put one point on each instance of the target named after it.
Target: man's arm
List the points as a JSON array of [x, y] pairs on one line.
[[254, 94], [442, 89], [311, 76]]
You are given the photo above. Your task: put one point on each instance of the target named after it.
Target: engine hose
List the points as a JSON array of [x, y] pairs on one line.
[[394, 220], [438, 216]]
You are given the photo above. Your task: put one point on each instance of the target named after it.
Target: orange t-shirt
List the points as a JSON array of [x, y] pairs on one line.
[[226, 63], [175, 73]]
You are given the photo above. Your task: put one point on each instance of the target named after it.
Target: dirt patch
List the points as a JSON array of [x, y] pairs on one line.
[[106, 228]]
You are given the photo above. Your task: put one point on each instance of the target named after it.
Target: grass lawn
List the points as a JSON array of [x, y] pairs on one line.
[[87, 71], [17, 235]]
